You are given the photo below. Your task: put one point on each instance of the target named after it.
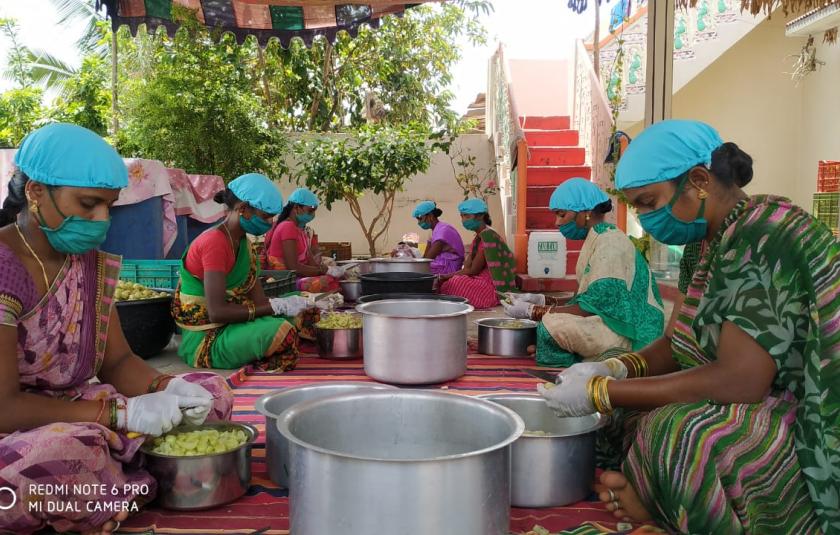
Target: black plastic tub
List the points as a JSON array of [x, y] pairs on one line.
[[397, 282], [147, 324], [384, 297]]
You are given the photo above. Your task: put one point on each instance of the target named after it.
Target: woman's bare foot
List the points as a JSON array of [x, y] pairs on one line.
[[109, 527], [532, 350], [621, 498]]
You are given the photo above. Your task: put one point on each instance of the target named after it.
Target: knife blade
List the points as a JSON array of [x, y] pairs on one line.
[[539, 374]]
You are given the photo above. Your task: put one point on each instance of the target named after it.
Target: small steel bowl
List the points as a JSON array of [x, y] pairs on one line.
[[202, 481], [339, 344], [496, 339], [351, 289]]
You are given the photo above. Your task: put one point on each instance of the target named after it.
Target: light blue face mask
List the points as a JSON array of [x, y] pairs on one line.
[[256, 226], [572, 231], [472, 224], [425, 225], [75, 235], [304, 219], [666, 228]]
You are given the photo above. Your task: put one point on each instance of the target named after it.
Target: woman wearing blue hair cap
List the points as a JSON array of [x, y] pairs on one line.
[[743, 397], [445, 246], [226, 319], [293, 245], [74, 396], [617, 303], [489, 268]]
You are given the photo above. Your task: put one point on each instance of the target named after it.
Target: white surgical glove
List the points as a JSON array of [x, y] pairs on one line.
[[289, 306], [336, 272], [608, 368], [157, 413], [330, 302], [569, 398], [195, 415], [534, 299], [518, 310]]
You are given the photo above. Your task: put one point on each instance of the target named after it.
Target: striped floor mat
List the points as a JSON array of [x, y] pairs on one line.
[[265, 508]]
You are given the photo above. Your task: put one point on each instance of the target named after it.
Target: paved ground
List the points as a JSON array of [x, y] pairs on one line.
[[169, 362]]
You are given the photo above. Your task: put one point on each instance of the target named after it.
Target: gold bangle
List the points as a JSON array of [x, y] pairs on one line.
[[154, 386], [112, 410], [639, 363], [598, 393]]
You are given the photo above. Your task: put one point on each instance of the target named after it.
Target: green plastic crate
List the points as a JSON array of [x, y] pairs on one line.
[[827, 209], [283, 283], [152, 273]]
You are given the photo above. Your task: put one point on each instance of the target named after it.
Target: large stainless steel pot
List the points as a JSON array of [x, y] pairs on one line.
[[384, 297], [202, 481], [274, 403], [414, 341], [554, 460], [409, 461], [496, 337], [359, 267], [401, 265]]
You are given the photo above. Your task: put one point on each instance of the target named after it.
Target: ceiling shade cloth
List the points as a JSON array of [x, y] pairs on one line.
[[264, 19]]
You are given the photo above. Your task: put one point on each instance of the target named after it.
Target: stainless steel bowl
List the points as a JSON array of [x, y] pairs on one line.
[[202, 481], [412, 462], [496, 339], [415, 341], [351, 289], [274, 403], [557, 466], [401, 265], [339, 344]]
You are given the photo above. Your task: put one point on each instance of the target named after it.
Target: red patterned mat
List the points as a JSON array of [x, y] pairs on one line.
[[266, 507]]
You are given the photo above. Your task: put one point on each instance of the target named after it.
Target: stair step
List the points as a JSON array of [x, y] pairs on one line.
[[546, 123], [553, 175], [556, 156], [539, 195], [552, 138], [534, 284], [539, 217]]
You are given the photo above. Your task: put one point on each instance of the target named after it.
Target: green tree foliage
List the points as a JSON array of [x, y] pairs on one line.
[[20, 107], [86, 100], [20, 112], [376, 160], [189, 101], [405, 64]]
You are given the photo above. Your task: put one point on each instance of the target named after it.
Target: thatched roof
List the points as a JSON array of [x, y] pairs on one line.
[[264, 19]]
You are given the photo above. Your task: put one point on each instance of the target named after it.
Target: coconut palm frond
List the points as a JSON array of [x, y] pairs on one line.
[[49, 71], [83, 11]]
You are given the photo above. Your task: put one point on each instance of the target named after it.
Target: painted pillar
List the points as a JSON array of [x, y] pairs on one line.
[[660, 61]]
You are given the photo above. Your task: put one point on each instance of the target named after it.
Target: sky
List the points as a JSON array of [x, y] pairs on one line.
[[529, 29]]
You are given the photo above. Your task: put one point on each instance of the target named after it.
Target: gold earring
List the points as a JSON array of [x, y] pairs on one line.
[[702, 194], [587, 217], [33, 207]]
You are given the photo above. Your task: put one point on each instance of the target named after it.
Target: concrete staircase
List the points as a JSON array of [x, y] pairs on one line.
[[554, 156]]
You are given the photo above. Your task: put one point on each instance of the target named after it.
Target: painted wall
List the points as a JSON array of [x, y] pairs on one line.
[[541, 87], [748, 97], [437, 184], [819, 137]]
